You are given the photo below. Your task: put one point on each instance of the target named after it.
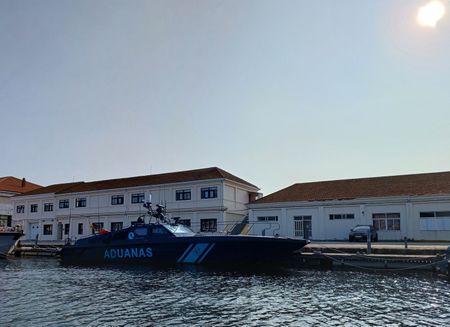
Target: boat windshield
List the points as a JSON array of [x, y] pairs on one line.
[[179, 230]]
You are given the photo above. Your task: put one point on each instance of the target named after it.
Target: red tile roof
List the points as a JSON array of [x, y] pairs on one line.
[[55, 188], [403, 185], [167, 178], [16, 185]]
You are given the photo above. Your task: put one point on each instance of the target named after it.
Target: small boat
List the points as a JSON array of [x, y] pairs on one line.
[[166, 242], [8, 237]]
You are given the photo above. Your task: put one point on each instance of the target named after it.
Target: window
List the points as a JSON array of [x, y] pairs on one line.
[[183, 195], [158, 230], [80, 228], [96, 227], [116, 226], [386, 221], [435, 220], [208, 225], [441, 214], [63, 204], [116, 200], [80, 202], [48, 207], [185, 222], [66, 229], [34, 208], [342, 216], [435, 214], [208, 192], [20, 209], [48, 229], [268, 218], [139, 221], [138, 198]]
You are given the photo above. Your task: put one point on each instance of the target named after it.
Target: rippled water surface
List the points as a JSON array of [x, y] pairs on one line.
[[42, 292]]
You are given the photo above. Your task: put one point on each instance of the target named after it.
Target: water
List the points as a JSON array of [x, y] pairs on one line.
[[41, 292]]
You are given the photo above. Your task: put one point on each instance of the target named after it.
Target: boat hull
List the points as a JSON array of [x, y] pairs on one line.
[[212, 250], [7, 240]]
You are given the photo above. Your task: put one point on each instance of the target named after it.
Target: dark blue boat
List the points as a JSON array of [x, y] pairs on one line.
[[8, 236], [163, 242]]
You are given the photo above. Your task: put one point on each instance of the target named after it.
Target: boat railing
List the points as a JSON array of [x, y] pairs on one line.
[[238, 227], [264, 227]]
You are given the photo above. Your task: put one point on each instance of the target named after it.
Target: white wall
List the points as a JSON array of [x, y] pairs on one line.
[[99, 208], [409, 208]]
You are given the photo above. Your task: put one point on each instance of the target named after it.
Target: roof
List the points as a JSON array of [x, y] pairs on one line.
[[16, 185], [157, 179], [403, 185], [55, 188]]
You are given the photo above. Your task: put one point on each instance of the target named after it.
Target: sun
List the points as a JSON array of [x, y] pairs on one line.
[[431, 13]]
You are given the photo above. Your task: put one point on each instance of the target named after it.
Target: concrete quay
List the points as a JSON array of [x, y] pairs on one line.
[[386, 248], [37, 248], [383, 256]]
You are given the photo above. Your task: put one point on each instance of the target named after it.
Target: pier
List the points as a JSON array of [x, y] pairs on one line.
[[37, 248], [386, 256]]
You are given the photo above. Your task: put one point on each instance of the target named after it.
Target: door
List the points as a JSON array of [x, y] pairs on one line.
[[303, 226], [60, 232], [307, 227], [34, 231]]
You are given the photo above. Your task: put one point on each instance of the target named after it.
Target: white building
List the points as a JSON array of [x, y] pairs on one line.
[[412, 206], [208, 200], [10, 186]]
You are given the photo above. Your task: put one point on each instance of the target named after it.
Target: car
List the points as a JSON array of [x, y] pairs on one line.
[[359, 233]]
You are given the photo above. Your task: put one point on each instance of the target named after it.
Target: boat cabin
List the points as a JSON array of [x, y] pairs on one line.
[[139, 232]]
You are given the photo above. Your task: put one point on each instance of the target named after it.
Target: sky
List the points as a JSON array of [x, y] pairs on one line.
[[275, 92]]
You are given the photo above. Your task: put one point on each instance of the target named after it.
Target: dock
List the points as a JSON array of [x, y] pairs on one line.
[[388, 256], [37, 248]]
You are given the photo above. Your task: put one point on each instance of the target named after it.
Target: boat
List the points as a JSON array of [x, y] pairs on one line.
[[8, 237], [169, 242]]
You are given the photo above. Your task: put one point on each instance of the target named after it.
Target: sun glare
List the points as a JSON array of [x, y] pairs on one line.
[[431, 13]]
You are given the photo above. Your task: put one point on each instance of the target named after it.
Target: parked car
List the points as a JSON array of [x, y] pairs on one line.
[[359, 233]]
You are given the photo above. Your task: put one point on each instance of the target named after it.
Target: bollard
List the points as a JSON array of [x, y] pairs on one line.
[[406, 242]]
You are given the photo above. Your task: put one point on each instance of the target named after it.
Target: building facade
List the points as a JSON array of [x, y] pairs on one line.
[[207, 200], [416, 207], [9, 187]]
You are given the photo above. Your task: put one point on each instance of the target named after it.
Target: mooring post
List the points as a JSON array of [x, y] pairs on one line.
[[406, 242], [369, 244]]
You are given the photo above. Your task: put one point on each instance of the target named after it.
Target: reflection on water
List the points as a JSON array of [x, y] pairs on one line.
[[41, 292]]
